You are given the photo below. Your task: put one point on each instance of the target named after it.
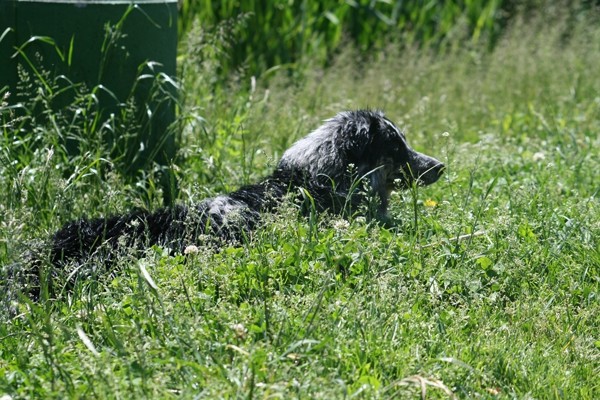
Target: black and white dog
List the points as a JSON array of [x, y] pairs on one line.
[[325, 166]]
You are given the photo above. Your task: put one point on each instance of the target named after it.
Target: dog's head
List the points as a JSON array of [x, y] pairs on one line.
[[372, 144]]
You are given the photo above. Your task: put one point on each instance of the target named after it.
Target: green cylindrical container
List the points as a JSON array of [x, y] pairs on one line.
[[109, 43]]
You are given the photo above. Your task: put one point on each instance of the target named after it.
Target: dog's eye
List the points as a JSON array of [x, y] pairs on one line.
[[396, 149]]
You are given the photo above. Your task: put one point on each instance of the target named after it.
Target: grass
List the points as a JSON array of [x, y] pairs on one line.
[[302, 31], [330, 308]]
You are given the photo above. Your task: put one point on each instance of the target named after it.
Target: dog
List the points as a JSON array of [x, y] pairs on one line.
[[352, 157], [372, 144]]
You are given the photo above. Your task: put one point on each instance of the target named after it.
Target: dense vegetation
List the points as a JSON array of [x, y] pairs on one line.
[[296, 34], [489, 285], [290, 34]]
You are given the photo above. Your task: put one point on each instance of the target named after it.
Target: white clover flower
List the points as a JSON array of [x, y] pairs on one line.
[[191, 249], [340, 224], [539, 156], [240, 330]]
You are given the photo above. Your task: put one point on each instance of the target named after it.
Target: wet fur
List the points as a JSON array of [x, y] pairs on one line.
[[325, 166]]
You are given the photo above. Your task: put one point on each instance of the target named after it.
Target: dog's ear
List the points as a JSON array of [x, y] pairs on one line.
[[354, 138]]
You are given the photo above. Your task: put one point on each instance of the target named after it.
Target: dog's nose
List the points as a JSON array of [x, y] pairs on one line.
[[439, 169], [430, 170], [433, 173]]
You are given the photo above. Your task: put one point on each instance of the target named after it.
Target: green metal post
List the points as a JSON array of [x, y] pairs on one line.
[[147, 33]]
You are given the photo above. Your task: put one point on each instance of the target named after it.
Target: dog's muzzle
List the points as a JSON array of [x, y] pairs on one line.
[[424, 169]]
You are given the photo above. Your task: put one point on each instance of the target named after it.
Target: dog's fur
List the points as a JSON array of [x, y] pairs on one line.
[[325, 166]]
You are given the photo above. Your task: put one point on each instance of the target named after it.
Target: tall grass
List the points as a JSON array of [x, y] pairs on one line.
[[293, 34], [289, 34], [487, 287]]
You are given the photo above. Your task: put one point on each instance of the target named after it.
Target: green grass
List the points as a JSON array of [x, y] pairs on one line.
[[294, 33], [330, 308]]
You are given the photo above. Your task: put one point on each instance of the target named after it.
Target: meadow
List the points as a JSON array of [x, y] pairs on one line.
[[488, 285]]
